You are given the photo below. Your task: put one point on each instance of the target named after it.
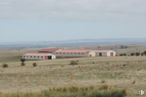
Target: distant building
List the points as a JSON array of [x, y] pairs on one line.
[[70, 53], [48, 50], [53, 53], [38, 56], [102, 53]]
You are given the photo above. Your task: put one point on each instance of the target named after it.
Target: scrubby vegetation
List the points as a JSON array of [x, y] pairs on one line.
[[121, 72], [103, 91], [22, 62], [74, 62], [123, 54], [5, 65], [34, 64]]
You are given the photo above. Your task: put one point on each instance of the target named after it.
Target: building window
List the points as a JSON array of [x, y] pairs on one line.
[[100, 54], [111, 54]]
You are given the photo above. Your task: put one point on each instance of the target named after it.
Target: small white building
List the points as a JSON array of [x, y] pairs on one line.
[[102, 53], [38, 56]]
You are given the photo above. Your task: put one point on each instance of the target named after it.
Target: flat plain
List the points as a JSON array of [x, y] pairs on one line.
[[125, 72]]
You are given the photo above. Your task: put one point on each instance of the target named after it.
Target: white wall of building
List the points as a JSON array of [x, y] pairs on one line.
[[92, 54], [111, 53], [38, 56], [100, 53], [60, 54]]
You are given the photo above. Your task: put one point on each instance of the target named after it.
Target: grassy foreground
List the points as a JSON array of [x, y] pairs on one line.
[[120, 72], [103, 91]]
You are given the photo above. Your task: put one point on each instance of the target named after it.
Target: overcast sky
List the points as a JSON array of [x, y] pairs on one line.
[[44, 20]]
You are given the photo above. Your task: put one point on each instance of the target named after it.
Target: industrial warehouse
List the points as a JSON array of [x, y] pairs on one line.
[[54, 53]]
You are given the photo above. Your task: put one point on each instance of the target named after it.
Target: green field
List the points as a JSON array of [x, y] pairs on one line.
[[127, 73]]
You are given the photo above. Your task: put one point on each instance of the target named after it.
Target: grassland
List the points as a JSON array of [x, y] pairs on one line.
[[13, 55], [120, 72], [92, 91], [128, 73]]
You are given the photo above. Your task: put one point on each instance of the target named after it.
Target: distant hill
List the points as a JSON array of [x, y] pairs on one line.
[[75, 43]]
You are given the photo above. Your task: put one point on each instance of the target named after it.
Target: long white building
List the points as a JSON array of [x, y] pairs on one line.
[[102, 53], [67, 53], [39, 56]]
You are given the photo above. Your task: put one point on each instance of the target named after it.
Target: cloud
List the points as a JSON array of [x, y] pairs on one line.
[[71, 9]]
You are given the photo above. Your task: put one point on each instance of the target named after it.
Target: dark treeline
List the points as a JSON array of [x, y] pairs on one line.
[[134, 54]]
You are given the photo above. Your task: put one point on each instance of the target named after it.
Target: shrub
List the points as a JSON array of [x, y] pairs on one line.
[[103, 81], [132, 54], [73, 62], [22, 64], [73, 89], [34, 64], [104, 87], [133, 82], [71, 92], [93, 62], [123, 54], [124, 65], [144, 53], [5, 65], [137, 54], [118, 93]]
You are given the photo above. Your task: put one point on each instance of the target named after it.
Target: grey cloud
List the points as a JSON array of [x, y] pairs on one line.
[[15, 9]]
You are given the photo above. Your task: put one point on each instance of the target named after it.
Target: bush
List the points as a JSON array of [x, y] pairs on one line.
[[71, 92], [22, 64], [144, 53], [132, 54], [73, 62], [93, 62], [22, 61], [34, 64], [137, 54], [103, 81], [104, 87], [5, 65], [133, 82], [124, 65], [123, 54], [118, 93]]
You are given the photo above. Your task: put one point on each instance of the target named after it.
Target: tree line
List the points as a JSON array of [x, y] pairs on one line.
[[134, 54]]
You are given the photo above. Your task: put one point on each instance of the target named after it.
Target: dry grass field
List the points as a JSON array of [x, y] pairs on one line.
[[127, 73], [13, 55]]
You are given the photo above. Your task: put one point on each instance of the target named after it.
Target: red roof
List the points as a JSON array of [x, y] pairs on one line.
[[37, 54], [50, 50], [71, 51]]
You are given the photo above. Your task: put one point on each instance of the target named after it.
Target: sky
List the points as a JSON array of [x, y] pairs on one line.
[[53, 20]]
